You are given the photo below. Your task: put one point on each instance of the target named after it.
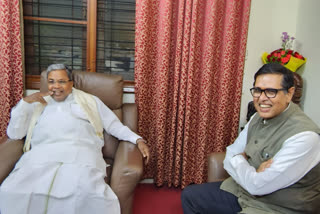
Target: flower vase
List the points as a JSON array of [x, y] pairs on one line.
[[293, 64]]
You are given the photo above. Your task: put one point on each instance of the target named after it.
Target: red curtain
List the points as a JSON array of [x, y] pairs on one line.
[[188, 72], [11, 73]]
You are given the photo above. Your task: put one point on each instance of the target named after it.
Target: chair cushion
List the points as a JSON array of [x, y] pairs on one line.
[[10, 152]]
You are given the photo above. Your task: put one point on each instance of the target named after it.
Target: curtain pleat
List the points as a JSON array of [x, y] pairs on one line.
[[11, 72], [188, 72]]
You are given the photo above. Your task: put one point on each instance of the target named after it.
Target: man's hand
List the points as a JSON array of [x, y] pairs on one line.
[[37, 97], [144, 149], [244, 155], [264, 165]]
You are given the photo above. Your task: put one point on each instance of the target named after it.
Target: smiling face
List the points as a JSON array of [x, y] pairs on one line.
[[59, 84], [271, 107]]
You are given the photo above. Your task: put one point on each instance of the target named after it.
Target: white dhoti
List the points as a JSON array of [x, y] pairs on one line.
[[56, 187]]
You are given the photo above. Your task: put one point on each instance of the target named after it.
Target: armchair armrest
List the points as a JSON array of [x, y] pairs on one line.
[[130, 116], [128, 163], [10, 152], [126, 174], [216, 171]]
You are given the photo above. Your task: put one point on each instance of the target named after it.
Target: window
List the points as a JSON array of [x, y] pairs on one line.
[[88, 35], [115, 37]]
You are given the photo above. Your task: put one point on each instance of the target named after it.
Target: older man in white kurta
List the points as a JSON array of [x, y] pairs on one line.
[[64, 171]]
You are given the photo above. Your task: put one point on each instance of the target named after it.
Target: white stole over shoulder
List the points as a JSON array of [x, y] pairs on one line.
[[87, 104]]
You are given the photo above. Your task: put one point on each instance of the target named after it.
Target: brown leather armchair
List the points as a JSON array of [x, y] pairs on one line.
[[216, 172], [124, 157]]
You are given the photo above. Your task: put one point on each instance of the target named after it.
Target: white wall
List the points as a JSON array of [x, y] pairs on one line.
[[268, 19], [308, 33]]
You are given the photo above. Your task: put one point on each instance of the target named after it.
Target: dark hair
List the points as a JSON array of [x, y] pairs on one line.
[[55, 67], [276, 68]]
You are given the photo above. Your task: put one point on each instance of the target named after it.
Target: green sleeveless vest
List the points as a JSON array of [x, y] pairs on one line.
[[264, 140]]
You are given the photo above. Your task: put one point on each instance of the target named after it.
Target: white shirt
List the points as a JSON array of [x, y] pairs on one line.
[[64, 134], [21, 116], [298, 155]]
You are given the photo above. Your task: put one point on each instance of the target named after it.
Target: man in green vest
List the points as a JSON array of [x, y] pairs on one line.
[[274, 164]]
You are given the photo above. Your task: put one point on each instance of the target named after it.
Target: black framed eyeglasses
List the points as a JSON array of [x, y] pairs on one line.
[[269, 92]]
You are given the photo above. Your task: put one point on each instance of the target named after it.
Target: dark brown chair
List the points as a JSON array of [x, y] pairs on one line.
[[216, 172], [124, 157]]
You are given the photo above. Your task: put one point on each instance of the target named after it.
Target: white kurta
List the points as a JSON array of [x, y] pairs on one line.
[[64, 170]]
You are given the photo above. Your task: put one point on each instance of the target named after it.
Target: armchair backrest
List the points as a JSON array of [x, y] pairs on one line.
[[109, 88]]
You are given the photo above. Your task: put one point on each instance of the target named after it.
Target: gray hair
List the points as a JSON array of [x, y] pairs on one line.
[[55, 67]]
